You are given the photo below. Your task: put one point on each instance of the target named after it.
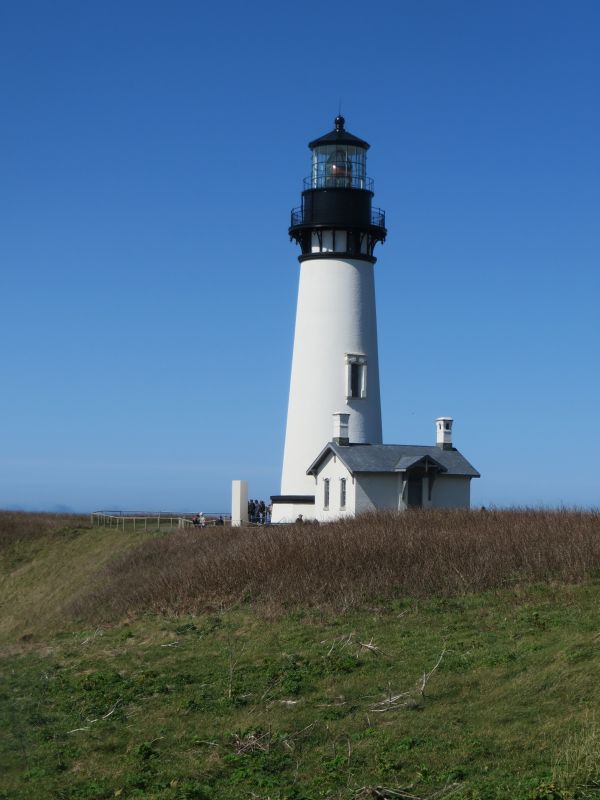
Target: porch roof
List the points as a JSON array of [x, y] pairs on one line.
[[408, 462]]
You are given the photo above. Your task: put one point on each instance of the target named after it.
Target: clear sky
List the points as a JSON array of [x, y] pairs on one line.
[[150, 155]]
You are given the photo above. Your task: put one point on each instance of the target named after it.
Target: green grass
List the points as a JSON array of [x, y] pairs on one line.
[[227, 705], [241, 703]]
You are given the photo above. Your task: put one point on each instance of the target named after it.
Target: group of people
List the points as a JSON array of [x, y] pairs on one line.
[[259, 513]]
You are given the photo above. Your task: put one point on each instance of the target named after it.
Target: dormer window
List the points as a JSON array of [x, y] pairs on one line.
[[356, 375]]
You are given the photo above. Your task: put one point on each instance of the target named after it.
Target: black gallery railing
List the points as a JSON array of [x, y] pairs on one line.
[[339, 182], [297, 218]]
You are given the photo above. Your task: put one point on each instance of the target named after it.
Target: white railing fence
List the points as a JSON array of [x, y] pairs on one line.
[[155, 520]]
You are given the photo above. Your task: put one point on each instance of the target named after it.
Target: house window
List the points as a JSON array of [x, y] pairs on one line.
[[342, 492], [326, 493], [356, 375]]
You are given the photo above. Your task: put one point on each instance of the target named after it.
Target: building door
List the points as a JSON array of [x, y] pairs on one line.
[[414, 494]]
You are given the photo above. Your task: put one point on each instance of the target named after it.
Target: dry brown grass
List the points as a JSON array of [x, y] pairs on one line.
[[347, 563], [16, 526]]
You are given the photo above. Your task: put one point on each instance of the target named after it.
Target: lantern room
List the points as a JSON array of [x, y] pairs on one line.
[[339, 160], [336, 216]]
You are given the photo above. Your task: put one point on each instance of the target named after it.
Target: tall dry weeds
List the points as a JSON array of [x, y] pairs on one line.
[[382, 556]]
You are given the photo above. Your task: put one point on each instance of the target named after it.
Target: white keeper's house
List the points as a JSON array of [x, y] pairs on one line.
[[334, 462]]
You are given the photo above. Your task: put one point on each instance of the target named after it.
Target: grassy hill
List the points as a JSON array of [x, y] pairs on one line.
[[430, 655]]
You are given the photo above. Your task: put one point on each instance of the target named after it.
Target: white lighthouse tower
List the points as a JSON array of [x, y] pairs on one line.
[[335, 367]]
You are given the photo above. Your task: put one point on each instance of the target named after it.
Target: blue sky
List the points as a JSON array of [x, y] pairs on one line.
[[151, 153]]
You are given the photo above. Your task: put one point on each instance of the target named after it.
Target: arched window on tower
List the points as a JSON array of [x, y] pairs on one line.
[[356, 375]]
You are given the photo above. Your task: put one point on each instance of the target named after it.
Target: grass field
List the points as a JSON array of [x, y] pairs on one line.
[[177, 692]]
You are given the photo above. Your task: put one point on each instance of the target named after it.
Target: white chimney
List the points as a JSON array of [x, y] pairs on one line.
[[341, 424], [443, 430]]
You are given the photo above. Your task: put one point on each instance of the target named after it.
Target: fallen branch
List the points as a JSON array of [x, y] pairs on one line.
[[252, 742], [90, 722], [393, 701], [342, 641], [371, 647], [97, 632], [427, 675], [410, 698], [112, 711], [446, 791], [384, 793], [288, 741], [332, 705]]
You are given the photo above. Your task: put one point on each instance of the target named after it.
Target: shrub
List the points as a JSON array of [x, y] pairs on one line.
[[382, 556]]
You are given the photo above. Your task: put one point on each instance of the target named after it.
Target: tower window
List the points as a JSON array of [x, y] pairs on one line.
[[354, 380], [342, 492], [356, 376], [326, 493]]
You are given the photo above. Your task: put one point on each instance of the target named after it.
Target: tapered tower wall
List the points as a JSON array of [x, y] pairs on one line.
[[335, 323], [335, 367]]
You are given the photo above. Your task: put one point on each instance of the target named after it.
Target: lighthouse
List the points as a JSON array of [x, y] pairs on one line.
[[335, 464], [335, 369]]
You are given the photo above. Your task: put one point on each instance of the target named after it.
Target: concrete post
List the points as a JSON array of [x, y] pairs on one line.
[[239, 503]]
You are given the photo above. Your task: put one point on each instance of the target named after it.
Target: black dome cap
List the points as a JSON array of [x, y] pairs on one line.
[[339, 135]]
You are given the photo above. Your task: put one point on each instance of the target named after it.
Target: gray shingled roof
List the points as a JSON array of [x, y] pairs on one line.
[[393, 458]]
